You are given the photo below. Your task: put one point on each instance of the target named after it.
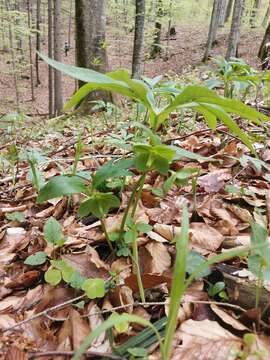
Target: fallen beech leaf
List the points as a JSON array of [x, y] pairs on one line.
[[25, 280], [227, 318], [154, 258], [122, 295], [149, 200], [15, 353], [206, 340], [6, 321], [149, 281], [100, 344], [89, 265], [80, 328], [205, 237], [214, 181]]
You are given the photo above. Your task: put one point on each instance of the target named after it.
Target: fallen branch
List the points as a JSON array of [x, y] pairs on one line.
[[89, 354]]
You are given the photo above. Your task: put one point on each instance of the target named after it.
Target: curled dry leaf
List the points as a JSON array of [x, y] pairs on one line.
[[206, 340], [154, 258], [101, 343], [214, 181], [14, 239], [122, 295], [227, 318]]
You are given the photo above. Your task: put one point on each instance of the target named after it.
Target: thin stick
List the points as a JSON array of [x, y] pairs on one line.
[[94, 354], [44, 313]]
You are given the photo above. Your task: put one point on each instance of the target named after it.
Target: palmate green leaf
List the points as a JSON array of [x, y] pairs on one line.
[[98, 204], [61, 186], [108, 324], [112, 170]]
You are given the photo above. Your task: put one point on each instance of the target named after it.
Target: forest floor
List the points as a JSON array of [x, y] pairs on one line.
[[218, 312], [184, 56]]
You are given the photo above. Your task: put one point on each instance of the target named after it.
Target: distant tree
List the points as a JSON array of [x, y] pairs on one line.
[[229, 10], [266, 16], [156, 48], [235, 29], [37, 40], [264, 48], [138, 38], [90, 43], [50, 54], [57, 47], [29, 22], [256, 6], [212, 34]]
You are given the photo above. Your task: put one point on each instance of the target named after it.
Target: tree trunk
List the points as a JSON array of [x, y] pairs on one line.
[[57, 39], [29, 21], [212, 34], [90, 43], [235, 30], [50, 54], [229, 10], [222, 15], [156, 48], [264, 48], [254, 12], [37, 41], [138, 39], [266, 17]]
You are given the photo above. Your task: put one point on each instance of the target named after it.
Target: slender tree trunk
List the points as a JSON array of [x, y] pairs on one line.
[[90, 43], [229, 10], [166, 57], [37, 41], [222, 15], [212, 34], [57, 40], [254, 12], [264, 48], [69, 21], [29, 19], [50, 54], [156, 48], [235, 30], [12, 51], [267, 15], [138, 39]]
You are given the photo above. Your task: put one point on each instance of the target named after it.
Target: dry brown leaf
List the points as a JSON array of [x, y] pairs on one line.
[[205, 237], [6, 321], [14, 353], [206, 340], [89, 265], [214, 181], [227, 318], [122, 295], [80, 328], [154, 258], [149, 281], [101, 343]]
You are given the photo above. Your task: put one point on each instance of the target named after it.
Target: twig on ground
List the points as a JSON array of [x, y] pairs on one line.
[[89, 354]]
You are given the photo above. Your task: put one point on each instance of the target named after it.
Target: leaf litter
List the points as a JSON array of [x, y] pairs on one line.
[[229, 194]]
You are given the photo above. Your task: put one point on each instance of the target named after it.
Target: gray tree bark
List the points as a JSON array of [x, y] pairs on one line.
[[212, 34], [37, 41], [266, 16], [57, 39], [90, 43], [235, 30], [138, 39], [50, 54], [264, 48], [155, 48], [254, 12], [229, 10]]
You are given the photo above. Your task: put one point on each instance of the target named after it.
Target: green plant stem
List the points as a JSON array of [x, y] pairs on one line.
[[259, 288], [136, 265], [138, 195], [103, 226], [129, 204]]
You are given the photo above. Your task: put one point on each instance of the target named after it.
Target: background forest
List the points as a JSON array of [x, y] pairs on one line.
[[135, 179]]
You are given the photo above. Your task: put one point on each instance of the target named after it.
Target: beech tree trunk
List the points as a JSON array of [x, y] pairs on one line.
[[266, 17], [229, 10], [37, 41], [235, 30], [156, 48], [138, 39], [90, 43], [212, 34], [50, 54], [264, 48], [29, 22], [254, 12], [57, 42]]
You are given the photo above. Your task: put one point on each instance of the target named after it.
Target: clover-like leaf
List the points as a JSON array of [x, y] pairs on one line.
[[38, 258], [94, 288], [15, 216], [53, 276]]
